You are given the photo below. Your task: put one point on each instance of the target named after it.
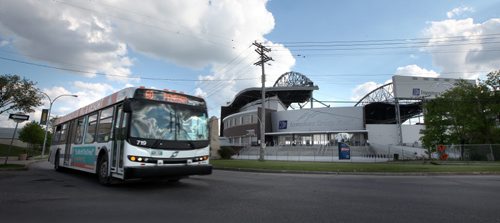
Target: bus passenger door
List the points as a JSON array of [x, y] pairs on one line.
[[67, 148], [118, 140]]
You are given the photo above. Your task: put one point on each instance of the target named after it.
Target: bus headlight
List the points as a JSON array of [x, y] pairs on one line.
[[200, 158]]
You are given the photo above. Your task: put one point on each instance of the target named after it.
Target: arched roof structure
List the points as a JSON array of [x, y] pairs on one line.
[[293, 79], [380, 108], [291, 87]]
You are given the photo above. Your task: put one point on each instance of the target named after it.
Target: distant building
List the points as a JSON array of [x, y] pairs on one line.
[[6, 136], [377, 118]]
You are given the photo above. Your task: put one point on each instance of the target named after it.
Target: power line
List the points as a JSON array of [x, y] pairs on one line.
[[236, 58], [472, 41], [381, 48], [141, 23], [383, 40], [151, 17], [309, 55], [221, 85], [386, 74], [120, 76]]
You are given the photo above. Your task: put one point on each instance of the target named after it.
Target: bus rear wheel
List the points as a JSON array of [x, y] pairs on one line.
[[57, 167], [102, 171]]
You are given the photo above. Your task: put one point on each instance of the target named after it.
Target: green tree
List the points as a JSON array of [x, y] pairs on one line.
[[18, 94], [466, 114], [32, 133]]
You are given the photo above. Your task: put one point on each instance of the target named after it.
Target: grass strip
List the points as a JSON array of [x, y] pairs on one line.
[[11, 166], [400, 167], [15, 151]]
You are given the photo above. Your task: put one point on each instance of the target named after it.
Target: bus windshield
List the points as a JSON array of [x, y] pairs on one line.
[[170, 122]]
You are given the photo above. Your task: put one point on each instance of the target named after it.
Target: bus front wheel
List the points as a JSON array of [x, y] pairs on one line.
[[102, 170]]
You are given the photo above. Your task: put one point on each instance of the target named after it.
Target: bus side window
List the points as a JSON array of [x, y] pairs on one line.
[[78, 136], [104, 126], [91, 128], [64, 133], [57, 135], [118, 134]]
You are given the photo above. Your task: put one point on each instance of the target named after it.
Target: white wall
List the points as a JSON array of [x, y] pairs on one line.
[[387, 134], [272, 103], [319, 119], [411, 134], [382, 134]]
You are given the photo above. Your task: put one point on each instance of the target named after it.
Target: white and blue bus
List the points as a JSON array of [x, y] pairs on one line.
[[135, 133]]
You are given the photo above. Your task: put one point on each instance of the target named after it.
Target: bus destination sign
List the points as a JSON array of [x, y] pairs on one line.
[[166, 96]]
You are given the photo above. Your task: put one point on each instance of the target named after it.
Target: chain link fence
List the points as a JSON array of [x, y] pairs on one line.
[[468, 152], [324, 153]]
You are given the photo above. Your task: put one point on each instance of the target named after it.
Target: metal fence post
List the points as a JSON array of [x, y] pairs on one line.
[[491, 151]]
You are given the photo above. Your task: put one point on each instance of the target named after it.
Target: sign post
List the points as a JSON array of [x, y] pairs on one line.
[[18, 118]]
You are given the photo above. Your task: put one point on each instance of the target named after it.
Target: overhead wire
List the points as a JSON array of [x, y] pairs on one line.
[[176, 32], [114, 75], [386, 40]]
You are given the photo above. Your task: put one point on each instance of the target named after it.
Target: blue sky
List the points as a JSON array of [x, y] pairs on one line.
[[204, 47]]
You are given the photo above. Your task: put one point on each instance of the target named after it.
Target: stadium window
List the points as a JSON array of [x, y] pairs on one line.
[[246, 119], [104, 126]]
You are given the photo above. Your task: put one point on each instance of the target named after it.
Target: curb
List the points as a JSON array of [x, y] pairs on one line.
[[24, 167], [361, 173], [15, 168]]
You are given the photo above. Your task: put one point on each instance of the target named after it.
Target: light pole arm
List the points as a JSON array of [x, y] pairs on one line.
[[48, 117]]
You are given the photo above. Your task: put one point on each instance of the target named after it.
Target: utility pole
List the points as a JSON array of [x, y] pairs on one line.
[[261, 50]]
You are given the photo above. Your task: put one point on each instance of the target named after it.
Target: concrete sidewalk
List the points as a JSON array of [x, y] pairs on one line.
[[25, 163]]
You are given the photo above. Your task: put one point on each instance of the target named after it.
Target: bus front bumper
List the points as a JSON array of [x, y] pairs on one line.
[[166, 171]]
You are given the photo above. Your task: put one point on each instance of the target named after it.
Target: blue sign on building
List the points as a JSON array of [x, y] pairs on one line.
[[282, 124], [344, 151], [416, 91]]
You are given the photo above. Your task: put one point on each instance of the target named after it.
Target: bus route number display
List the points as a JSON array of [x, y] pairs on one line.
[[175, 98], [162, 96]]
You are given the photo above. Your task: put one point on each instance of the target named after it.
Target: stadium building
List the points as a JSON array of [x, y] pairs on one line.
[[375, 121]]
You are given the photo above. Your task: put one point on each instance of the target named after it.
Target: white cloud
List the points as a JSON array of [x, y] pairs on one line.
[[458, 11], [3, 43], [97, 36], [91, 92], [361, 90], [243, 74], [193, 33], [65, 36], [470, 48], [63, 105], [410, 70], [415, 70], [86, 92]]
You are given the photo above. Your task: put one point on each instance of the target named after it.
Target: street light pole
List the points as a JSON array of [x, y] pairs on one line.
[[48, 117]]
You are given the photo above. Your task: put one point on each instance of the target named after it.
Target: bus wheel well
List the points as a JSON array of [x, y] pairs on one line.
[[102, 153]]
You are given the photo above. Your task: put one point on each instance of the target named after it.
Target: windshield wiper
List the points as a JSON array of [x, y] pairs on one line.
[[192, 145]]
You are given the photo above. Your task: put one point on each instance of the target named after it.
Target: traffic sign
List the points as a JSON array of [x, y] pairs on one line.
[[19, 117]]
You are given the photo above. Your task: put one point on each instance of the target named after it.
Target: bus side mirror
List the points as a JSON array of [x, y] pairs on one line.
[[127, 105]]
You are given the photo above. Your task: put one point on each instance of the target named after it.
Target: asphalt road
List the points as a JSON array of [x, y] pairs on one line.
[[43, 195]]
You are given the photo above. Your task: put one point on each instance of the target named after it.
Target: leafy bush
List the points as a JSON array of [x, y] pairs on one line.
[[226, 152]]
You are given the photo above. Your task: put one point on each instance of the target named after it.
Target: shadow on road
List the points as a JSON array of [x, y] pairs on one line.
[[136, 184]]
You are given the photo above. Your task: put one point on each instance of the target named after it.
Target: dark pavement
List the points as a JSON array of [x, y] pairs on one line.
[[43, 195]]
